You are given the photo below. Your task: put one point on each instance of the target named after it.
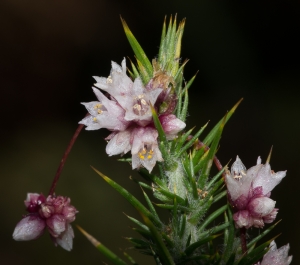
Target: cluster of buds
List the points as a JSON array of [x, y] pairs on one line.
[[53, 213], [249, 193], [276, 256], [127, 113]]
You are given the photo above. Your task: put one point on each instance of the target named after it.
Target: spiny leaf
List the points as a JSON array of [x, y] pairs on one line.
[[162, 136], [220, 196], [256, 239], [132, 261], [161, 46], [209, 138], [139, 53], [215, 229], [182, 139], [104, 250], [229, 238], [192, 141], [144, 228], [129, 197], [256, 254], [189, 250], [163, 252], [212, 217]]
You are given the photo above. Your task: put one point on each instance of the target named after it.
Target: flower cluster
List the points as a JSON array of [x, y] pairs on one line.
[[55, 213], [276, 256], [127, 114], [249, 193]]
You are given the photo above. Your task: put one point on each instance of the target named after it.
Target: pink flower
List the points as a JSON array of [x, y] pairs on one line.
[[145, 151], [55, 213], [249, 192], [276, 256], [127, 114], [105, 113]]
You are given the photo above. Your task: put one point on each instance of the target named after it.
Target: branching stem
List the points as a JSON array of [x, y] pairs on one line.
[[64, 158]]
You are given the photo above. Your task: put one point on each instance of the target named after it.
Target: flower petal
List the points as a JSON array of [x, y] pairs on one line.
[[65, 240], [29, 228]]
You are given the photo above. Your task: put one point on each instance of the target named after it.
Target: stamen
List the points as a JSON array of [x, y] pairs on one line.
[[109, 80], [99, 111], [143, 102], [141, 156], [137, 107], [98, 106], [94, 119]]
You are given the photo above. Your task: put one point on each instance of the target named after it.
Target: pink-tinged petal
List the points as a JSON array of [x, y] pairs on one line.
[[240, 203], [277, 256], [171, 125], [69, 212], [56, 224], [269, 218], [261, 206], [119, 144], [29, 228], [65, 240], [267, 178], [257, 222], [118, 84], [242, 219], [105, 113], [145, 151], [238, 182]]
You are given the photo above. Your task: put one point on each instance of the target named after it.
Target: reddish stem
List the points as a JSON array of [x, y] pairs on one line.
[[243, 240], [64, 158]]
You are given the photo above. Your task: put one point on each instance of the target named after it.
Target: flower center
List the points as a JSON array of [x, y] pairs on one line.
[[146, 153], [140, 106], [239, 175]]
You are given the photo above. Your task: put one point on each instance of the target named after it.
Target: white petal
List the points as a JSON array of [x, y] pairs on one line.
[[261, 206], [29, 228], [120, 143], [65, 240]]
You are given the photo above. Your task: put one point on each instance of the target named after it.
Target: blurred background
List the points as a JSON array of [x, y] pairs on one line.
[[51, 49]]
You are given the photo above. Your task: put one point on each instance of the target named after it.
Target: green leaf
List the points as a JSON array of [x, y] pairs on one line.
[[215, 229], [172, 196], [161, 46], [129, 197], [163, 252], [143, 228], [212, 217], [138, 51], [104, 250], [229, 238], [181, 139], [192, 141], [220, 196], [132, 261], [256, 239], [256, 254], [209, 138], [150, 205], [189, 250]]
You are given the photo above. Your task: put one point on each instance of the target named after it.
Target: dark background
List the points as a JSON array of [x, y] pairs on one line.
[[49, 52]]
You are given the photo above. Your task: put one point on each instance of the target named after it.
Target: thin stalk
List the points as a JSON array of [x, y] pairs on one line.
[[243, 240], [64, 158]]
